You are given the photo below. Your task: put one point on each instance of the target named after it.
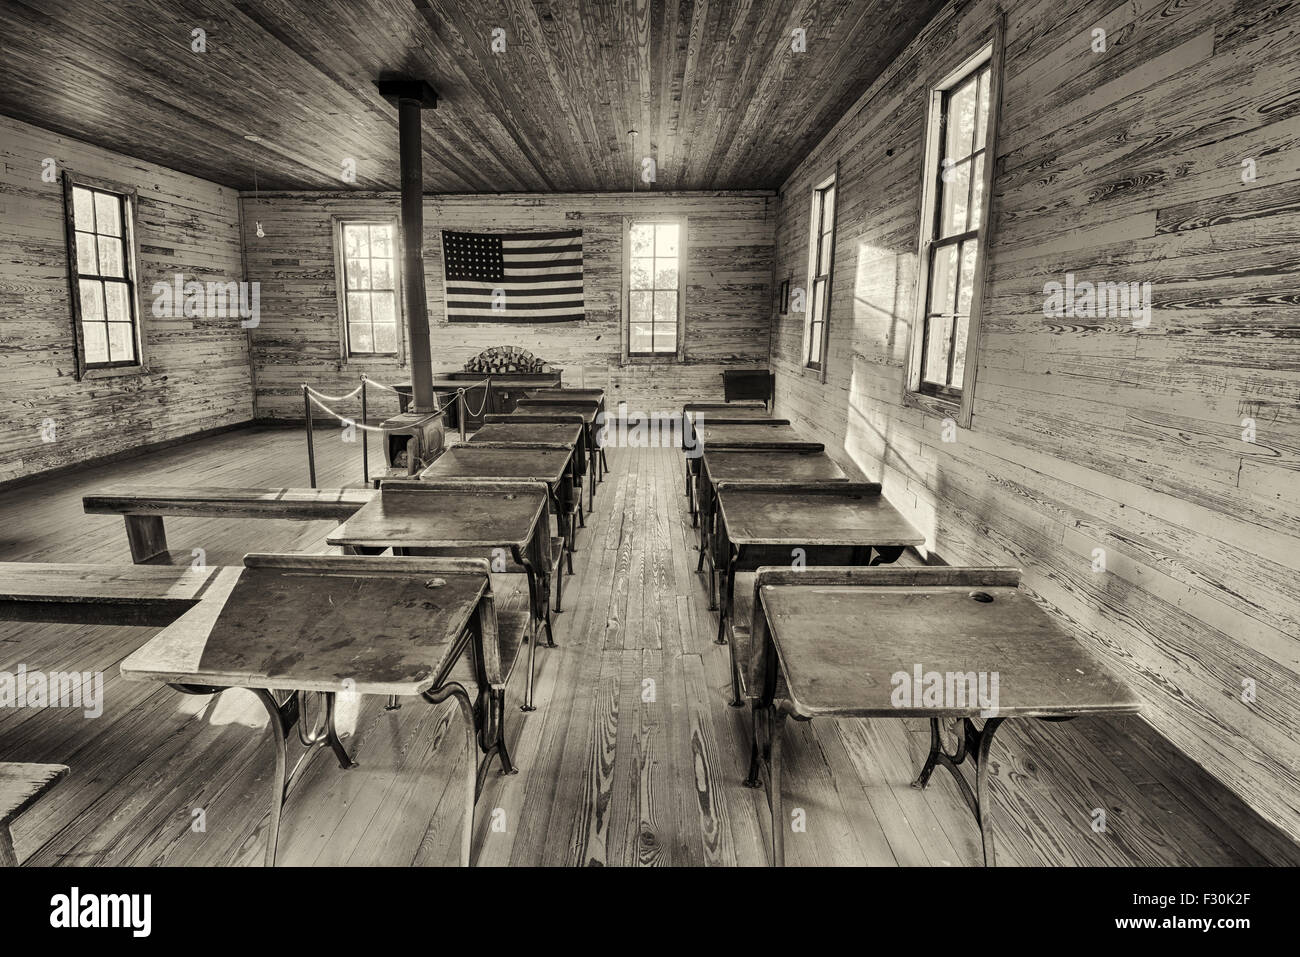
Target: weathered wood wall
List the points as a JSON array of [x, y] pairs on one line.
[[1092, 434], [198, 368], [730, 239]]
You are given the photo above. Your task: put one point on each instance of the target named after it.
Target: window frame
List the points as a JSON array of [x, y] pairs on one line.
[[346, 355], [816, 234], [683, 278], [946, 400], [128, 200]]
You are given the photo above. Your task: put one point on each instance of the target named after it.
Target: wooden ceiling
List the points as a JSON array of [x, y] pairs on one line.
[[719, 98]]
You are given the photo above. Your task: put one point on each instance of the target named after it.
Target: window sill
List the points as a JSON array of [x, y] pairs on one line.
[[666, 358], [935, 405], [374, 360], [113, 372]]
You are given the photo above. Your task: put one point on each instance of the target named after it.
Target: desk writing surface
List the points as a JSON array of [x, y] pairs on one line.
[[753, 434], [841, 646], [439, 518], [587, 409], [565, 433], [468, 461], [771, 466], [778, 517], [315, 629]]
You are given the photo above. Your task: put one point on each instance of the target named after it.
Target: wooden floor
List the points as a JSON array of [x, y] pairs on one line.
[[633, 756]]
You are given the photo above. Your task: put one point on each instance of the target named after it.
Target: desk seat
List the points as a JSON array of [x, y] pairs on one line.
[[510, 596]]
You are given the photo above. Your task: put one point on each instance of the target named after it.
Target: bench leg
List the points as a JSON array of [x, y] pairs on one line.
[[735, 701], [8, 857], [457, 691], [777, 729], [533, 638], [973, 744], [279, 732], [503, 753], [146, 536]]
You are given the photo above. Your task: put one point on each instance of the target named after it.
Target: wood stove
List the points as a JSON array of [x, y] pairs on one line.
[[412, 441]]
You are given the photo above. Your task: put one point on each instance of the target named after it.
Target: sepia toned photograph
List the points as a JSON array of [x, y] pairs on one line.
[[681, 434]]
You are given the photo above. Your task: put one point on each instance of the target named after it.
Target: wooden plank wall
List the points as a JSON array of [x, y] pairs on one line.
[[727, 301], [1093, 434], [199, 374]]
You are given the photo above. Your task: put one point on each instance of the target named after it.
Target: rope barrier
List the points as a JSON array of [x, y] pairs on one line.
[[332, 398], [482, 405], [381, 385], [371, 428]]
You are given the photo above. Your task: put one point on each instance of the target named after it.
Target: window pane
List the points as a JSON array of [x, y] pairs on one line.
[[977, 194], [356, 243], [818, 300], [815, 342], [955, 195], [381, 242], [665, 338], [828, 210], [94, 337], [959, 354], [360, 338], [666, 273], [936, 350], [666, 235], [87, 261], [358, 273], [943, 279], [359, 307], [666, 308], [961, 121], [639, 338], [982, 119], [385, 336], [640, 306], [643, 239], [108, 214], [121, 342], [824, 255], [383, 308], [83, 209], [110, 256], [642, 274], [92, 300], [115, 302], [381, 273], [966, 286]]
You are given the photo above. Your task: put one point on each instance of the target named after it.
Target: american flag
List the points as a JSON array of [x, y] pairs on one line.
[[513, 277]]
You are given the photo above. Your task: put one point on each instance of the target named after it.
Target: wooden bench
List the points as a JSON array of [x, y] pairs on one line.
[[152, 595], [144, 506], [21, 786], [852, 642]]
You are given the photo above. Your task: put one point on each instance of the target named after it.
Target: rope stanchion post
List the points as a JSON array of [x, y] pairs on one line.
[[311, 442], [365, 439], [460, 412]]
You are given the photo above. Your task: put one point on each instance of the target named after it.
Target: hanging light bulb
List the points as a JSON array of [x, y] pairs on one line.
[[261, 233]]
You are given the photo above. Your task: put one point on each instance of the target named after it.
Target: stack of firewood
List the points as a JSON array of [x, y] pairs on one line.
[[499, 359]]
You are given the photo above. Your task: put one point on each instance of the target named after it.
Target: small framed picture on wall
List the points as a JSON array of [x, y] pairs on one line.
[[785, 297]]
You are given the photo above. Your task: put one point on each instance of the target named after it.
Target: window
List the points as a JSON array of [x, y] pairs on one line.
[[655, 287], [821, 255], [370, 282], [103, 269], [958, 177]]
